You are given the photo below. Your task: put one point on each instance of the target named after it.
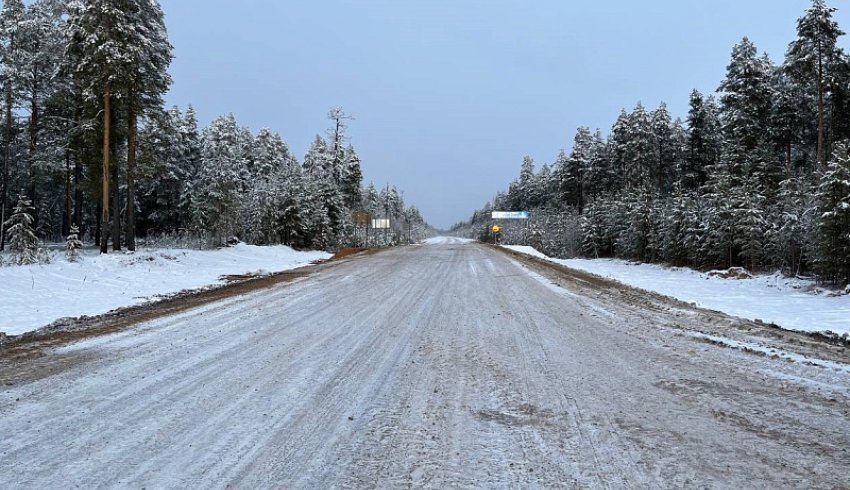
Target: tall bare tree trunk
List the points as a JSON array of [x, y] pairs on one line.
[[33, 130], [104, 218], [7, 155], [132, 119]]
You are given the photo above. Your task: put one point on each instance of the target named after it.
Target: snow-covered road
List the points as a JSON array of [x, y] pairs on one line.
[[443, 365]]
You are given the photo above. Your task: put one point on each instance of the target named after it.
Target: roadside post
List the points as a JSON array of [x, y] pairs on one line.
[[381, 224], [499, 216], [496, 229]]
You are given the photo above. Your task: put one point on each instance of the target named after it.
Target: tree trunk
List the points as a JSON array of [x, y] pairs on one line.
[[78, 194], [78, 178], [68, 217], [116, 209], [7, 155], [33, 137], [104, 216], [821, 157], [132, 119]]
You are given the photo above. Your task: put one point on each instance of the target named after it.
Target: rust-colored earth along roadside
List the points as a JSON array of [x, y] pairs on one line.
[[18, 353]]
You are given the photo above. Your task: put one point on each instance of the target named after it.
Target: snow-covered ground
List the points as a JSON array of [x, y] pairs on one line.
[[440, 366], [37, 295], [793, 304]]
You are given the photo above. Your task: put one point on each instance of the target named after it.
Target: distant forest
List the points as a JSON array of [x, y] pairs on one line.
[[89, 150], [757, 175]]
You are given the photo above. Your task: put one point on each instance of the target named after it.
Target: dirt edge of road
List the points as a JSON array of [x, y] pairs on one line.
[[15, 351], [714, 322]]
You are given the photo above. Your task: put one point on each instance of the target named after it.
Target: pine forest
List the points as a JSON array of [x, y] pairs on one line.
[[757, 175], [90, 154]]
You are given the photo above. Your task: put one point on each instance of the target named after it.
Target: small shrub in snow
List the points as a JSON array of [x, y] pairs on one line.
[[23, 243], [73, 245]]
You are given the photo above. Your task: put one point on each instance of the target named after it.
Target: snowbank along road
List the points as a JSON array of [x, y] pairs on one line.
[[449, 364]]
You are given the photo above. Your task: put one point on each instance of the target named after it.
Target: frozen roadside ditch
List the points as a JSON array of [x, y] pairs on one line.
[[792, 304], [37, 295]]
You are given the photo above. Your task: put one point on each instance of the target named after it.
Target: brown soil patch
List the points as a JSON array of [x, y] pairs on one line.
[[347, 252], [241, 277]]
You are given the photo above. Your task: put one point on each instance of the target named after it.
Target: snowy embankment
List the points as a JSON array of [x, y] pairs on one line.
[[37, 295], [792, 304]]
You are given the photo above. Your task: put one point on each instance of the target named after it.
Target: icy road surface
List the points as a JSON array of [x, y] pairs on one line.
[[443, 365]]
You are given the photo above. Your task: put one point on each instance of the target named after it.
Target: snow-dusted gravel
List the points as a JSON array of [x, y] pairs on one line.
[[443, 365]]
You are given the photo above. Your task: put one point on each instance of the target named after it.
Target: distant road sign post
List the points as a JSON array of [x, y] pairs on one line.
[[496, 229], [381, 223], [510, 215], [361, 218], [506, 215]]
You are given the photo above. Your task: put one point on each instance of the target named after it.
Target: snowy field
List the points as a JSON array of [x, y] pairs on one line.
[[37, 295], [793, 304]]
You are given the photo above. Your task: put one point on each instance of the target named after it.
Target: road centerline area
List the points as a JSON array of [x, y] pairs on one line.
[[442, 365]]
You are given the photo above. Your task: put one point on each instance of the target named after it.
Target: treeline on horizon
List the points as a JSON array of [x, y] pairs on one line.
[[757, 175], [88, 148]]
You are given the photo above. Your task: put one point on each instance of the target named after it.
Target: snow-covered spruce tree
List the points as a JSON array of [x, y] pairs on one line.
[[73, 245], [719, 240], [663, 170], [352, 179], [834, 209], [22, 240], [619, 142], [521, 193], [704, 143], [749, 225], [220, 182], [745, 109], [41, 39], [147, 81], [101, 46], [599, 176], [11, 71], [262, 202], [639, 157], [572, 184], [162, 178], [793, 214], [292, 225], [792, 115], [189, 166], [634, 238], [813, 60]]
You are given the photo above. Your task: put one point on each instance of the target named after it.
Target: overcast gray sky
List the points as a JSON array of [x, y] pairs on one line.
[[449, 95]]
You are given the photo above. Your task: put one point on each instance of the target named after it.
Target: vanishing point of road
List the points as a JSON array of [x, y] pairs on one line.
[[444, 365]]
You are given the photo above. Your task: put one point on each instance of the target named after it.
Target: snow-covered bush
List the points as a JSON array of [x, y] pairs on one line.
[[23, 243], [73, 245]]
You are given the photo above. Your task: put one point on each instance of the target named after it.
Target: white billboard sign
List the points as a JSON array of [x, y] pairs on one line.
[[510, 214], [381, 224]]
